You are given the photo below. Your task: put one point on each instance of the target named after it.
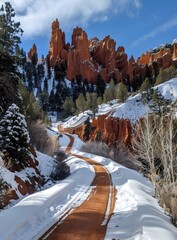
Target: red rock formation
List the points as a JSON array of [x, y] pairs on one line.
[[103, 52], [57, 44], [174, 51], [27, 186], [163, 57], [32, 54], [92, 57], [110, 130], [79, 58], [130, 68], [122, 63]]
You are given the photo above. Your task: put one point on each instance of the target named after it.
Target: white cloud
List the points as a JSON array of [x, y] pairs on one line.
[[36, 16], [162, 28]]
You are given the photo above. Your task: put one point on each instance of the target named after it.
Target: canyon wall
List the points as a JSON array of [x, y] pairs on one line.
[[113, 131]]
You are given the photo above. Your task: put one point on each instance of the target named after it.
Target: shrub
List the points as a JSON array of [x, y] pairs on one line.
[[98, 148], [61, 169], [40, 139], [119, 154], [168, 199]]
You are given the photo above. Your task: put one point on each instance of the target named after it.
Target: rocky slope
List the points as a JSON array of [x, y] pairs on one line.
[[115, 123]]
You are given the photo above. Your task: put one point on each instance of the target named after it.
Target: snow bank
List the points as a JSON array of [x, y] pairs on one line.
[[77, 120], [32, 216], [137, 215]]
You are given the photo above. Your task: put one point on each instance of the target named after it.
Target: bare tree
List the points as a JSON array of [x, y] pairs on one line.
[[155, 148], [167, 148], [144, 148]]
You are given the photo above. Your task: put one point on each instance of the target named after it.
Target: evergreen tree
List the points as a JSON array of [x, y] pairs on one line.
[[160, 105], [99, 100], [9, 38], [122, 92], [58, 102], [165, 75], [94, 103], [100, 86], [146, 90], [109, 92], [45, 85], [81, 103], [145, 85], [68, 106], [89, 101], [9, 46], [49, 74], [44, 101], [52, 100], [14, 137], [30, 106]]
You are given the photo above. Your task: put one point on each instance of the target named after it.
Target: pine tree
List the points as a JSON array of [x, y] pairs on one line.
[[145, 85], [68, 106], [81, 103], [14, 137], [44, 101], [109, 92], [9, 59], [52, 100], [9, 38], [58, 102], [49, 74], [160, 105], [165, 75], [45, 85], [100, 86], [122, 92], [94, 103], [99, 100], [146, 90]]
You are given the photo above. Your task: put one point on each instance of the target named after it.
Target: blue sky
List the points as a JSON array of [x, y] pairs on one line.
[[138, 25]]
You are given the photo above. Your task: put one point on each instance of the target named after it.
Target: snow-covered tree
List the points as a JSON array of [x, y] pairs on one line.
[[14, 137]]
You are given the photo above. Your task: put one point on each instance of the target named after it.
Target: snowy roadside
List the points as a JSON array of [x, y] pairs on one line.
[[137, 215], [35, 214]]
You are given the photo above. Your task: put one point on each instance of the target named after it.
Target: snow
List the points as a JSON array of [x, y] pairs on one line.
[[137, 215], [168, 89], [133, 109], [77, 120], [174, 41], [33, 215]]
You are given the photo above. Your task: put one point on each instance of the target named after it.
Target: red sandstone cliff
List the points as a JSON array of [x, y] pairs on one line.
[[57, 49], [92, 57], [110, 130]]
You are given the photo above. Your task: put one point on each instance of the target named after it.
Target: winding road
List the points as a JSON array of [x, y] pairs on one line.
[[89, 220]]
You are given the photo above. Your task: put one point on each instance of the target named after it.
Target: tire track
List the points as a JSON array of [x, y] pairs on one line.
[[90, 219]]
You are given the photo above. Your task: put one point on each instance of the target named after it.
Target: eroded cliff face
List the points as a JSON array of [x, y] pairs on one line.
[[106, 129], [90, 57], [57, 49], [165, 57], [23, 185]]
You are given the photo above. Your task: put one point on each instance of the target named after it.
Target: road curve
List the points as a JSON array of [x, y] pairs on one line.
[[88, 220]]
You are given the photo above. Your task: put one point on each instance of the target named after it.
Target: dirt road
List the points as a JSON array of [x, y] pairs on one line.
[[87, 221]]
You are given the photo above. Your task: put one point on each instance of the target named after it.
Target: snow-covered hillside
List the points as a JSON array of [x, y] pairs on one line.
[[133, 109]]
